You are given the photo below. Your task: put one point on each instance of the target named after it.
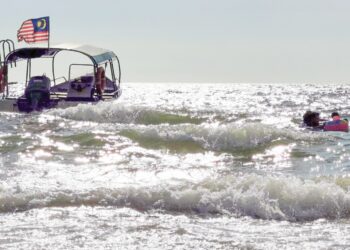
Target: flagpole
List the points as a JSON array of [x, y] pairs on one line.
[[48, 41]]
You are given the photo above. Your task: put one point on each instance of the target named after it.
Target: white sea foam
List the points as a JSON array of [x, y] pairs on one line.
[[279, 198]]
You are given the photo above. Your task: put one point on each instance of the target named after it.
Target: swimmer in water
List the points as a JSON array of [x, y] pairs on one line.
[[312, 119]]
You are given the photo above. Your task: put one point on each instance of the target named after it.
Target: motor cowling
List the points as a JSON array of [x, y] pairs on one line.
[[37, 92]]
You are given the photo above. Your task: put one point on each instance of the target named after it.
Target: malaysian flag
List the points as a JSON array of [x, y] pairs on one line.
[[34, 30]]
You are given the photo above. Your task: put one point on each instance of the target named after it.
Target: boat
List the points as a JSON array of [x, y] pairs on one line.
[[101, 82]]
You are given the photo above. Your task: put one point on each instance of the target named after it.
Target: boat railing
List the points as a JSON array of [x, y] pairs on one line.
[[7, 46], [58, 78]]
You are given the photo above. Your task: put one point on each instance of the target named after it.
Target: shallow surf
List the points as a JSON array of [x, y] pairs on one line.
[[178, 166]]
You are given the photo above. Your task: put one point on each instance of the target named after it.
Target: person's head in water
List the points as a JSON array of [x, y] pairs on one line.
[[311, 119], [335, 116]]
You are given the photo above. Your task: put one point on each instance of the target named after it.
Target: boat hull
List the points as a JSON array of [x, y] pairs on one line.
[[14, 105]]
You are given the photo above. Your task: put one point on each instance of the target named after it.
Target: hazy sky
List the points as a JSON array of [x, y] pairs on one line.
[[202, 40]]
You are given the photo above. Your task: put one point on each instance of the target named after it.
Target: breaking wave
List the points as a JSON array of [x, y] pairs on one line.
[[221, 138], [110, 113], [278, 198]]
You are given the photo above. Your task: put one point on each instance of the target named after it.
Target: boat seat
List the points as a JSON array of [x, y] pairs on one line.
[[81, 88]]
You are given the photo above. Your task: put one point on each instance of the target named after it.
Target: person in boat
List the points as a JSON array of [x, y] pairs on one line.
[[335, 116], [3, 78], [337, 123], [312, 119]]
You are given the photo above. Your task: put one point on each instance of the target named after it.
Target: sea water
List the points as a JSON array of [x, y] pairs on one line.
[[178, 166]]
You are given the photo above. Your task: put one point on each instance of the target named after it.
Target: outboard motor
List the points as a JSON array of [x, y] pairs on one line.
[[37, 93]]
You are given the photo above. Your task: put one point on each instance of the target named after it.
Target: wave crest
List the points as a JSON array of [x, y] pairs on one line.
[[278, 198], [220, 138], [112, 112]]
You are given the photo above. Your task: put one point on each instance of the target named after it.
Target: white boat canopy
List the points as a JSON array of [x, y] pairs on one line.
[[97, 55]]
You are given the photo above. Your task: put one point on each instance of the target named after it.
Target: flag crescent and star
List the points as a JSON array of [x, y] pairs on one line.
[[41, 24]]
